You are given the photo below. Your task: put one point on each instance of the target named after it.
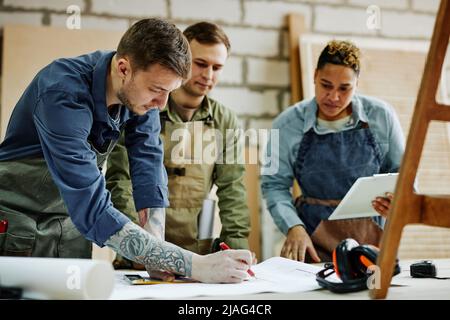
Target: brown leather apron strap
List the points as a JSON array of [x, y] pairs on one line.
[[315, 201]]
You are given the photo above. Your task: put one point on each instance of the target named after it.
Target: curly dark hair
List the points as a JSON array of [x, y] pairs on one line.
[[340, 52]]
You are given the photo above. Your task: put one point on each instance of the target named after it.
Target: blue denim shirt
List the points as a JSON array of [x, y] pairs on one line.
[[62, 116], [294, 122]]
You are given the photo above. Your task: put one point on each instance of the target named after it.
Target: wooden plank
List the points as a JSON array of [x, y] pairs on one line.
[[296, 26], [440, 112], [251, 181], [435, 210], [408, 207]]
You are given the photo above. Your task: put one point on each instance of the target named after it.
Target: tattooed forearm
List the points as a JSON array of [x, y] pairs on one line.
[[156, 222], [138, 245]]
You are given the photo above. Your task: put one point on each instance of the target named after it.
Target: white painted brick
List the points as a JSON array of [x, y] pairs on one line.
[[341, 20], [232, 72], [396, 4], [318, 1], [267, 72], [130, 8], [247, 102], [90, 22], [273, 13], [409, 25], [60, 5], [261, 43], [228, 11], [426, 5], [242, 123], [20, 18], [260, 124], [329, 1], [182, 26]]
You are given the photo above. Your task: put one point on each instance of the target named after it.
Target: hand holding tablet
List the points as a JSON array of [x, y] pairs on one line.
[[357, 203]]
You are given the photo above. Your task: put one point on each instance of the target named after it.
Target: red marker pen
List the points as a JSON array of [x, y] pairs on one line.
[[3, 226], [224, 246]]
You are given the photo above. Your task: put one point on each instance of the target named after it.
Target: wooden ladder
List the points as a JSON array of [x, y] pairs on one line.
[[409, 207]]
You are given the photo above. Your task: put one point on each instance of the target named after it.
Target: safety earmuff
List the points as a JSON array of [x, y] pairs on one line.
[[342, 261], [366, 255], [351, 263]]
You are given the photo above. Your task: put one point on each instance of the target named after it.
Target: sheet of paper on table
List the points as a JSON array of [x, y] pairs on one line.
[[273, 275]]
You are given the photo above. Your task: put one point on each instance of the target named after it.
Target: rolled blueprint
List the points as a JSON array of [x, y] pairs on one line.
[[206, 219], [58, 278]]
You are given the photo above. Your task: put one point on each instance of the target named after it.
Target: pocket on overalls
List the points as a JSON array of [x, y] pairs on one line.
[[20, 238], [17, 245], [187, 191]]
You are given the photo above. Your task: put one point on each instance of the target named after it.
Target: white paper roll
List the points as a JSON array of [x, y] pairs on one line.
[[57, 278], [206, 219]]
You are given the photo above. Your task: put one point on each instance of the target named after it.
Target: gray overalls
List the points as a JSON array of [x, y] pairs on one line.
[[38, 222]]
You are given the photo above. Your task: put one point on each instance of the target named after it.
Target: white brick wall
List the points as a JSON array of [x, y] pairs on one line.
[[286, 100], [426, 5], [341, 20], [408, 25], [396, 4], [59, 5], [133, 8], [247, 102], [242, 123], [91, 22], [232, 72], [228, 11], [182, 26], [273, 13], [268, 72], [262, 43], [20, 18], [260, 124], [255, 81], [327, 1]]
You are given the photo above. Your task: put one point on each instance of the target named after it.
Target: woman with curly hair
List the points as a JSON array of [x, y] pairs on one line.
[[326, 144]]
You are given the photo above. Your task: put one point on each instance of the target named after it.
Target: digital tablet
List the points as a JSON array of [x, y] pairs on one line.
[[357, 203]]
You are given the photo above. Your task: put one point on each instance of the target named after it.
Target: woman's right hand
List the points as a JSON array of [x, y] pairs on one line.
[[382, 205], [229, 266], [297, 243]]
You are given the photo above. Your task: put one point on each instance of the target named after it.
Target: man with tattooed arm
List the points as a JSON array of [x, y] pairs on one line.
[[52, 191]]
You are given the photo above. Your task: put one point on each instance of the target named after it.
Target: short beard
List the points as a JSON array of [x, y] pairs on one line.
[[123, 97]]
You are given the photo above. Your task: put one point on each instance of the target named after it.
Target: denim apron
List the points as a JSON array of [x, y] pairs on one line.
[[326, 167], [38, 222]]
